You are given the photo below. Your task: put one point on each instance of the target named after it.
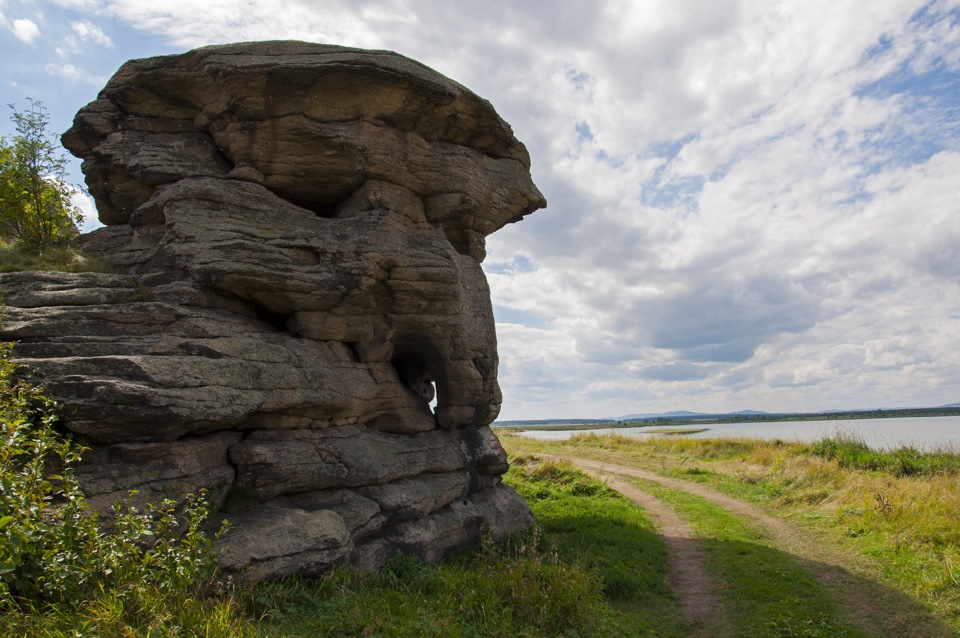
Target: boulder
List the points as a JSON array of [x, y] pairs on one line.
[[297, 322]]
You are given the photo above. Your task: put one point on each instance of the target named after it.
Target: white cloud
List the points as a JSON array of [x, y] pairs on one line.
[[79, 5], [88, 209], [71, 73], [188, 24], [86, 30], [25, 30]]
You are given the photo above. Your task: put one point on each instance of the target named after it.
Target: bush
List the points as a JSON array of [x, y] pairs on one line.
[[53, 548], [35, 208]]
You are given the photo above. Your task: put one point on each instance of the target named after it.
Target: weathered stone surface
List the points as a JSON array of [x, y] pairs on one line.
[[418, 496], [296, 231], [504, 512], [361, 515], [310, 122], [497, 511], [267, 542], [158, 470], [272, 462]]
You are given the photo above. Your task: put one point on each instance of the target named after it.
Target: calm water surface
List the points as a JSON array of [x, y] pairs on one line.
[[927, 433]]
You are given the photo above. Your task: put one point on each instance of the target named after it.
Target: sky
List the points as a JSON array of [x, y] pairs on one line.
[[753, 204]]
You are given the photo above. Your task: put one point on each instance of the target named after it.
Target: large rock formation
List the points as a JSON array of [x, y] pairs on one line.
[[297, 230]]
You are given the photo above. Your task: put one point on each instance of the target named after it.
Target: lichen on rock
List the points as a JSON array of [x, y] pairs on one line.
[[297, 231]]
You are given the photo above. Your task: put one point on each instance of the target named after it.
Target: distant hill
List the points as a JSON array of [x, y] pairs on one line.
[[655, 415], [684, 414], [538, 422]]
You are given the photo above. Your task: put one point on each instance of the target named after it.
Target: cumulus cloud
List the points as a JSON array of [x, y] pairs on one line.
[[188, 24], [79, 5], [72, 73], [88, 209], [25, 30], [87, 30]]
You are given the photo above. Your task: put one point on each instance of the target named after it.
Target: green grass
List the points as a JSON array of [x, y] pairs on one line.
[[765, 591], [852, 452], [594, 526], [514, 590], [140, 611], [14, 258], [898, 528], [594, 567]]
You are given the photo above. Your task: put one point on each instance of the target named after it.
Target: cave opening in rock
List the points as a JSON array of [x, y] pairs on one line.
[[417, 377], [279, 320], [326, 207]]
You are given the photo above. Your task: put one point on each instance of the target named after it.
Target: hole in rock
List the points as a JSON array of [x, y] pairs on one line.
[[416, 377], [354, 352], [278, 320], [321, 207]]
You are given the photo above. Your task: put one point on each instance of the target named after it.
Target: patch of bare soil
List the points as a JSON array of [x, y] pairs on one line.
[[875, 609]]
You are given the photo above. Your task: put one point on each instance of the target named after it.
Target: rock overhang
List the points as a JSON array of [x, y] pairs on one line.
[[312, 123]]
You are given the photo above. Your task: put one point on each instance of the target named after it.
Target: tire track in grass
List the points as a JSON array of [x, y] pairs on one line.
[[877, 610], [687, 573], [766, 592]]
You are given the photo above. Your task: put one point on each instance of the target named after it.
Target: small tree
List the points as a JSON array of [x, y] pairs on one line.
[[35, 208]]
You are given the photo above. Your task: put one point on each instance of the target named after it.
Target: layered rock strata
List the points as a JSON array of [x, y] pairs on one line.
[[296, 231]]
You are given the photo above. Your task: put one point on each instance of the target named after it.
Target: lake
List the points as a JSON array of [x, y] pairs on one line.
[[926, 433]]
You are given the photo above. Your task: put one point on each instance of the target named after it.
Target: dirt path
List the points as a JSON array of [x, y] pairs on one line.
[[875, 609], [687, 573]]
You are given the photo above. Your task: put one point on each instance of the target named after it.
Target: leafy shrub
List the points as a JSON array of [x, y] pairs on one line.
[[52, 546]]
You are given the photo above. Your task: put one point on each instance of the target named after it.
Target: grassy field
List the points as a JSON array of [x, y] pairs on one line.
[[895, 515]]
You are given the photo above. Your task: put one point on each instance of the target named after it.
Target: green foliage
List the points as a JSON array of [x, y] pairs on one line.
[[852, 452], [29, 447], [53, 549], [35, 208]]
